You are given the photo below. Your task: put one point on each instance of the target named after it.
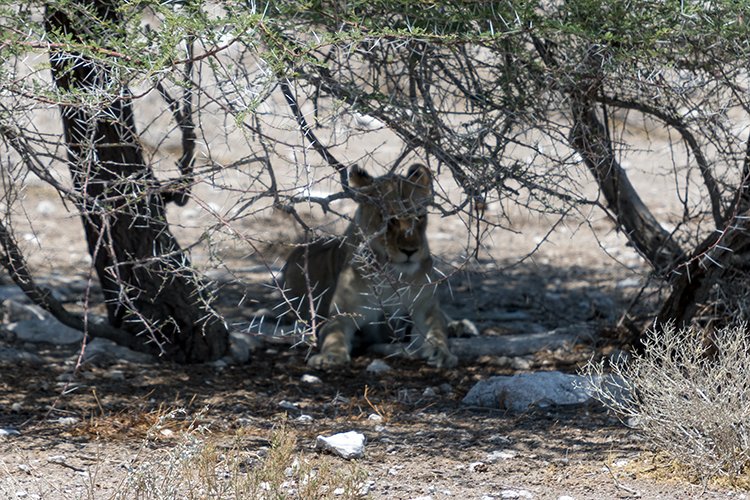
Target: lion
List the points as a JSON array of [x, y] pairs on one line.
[[377, 274]]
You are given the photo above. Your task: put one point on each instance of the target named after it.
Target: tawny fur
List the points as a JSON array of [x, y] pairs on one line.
[[379, 269]]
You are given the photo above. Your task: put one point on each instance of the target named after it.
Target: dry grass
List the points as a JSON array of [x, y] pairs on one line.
[[690, 397]]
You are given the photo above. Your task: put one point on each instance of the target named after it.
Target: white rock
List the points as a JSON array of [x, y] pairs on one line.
[[67, 420], [374, 417], [378, 366], [6, 432], [519, 392], [241, 345], [566, 497], [516, 494], [346, 444], [498, 455], [304, 418], [311, 379], [45, 207]]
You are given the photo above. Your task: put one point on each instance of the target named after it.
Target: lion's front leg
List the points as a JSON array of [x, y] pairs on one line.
[[430, 324], [336, 346]]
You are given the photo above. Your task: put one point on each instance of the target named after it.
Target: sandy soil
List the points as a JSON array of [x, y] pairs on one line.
[[82, 435]]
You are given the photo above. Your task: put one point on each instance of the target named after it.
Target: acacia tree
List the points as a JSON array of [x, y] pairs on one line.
[[473, 85], [520, 102]]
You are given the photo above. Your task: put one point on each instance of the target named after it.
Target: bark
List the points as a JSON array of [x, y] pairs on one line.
[[148, 284], [590, 139], [722, 259]]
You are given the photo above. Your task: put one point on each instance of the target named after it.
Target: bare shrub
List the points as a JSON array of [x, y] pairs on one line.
[[689, 393]]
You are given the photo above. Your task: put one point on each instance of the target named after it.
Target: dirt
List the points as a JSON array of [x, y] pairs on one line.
[[422, 443]]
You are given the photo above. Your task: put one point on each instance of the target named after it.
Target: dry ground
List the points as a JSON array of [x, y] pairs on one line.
[[127, 418]]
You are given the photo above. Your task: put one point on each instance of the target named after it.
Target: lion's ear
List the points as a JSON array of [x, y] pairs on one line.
[[420, 175], [358, 177]]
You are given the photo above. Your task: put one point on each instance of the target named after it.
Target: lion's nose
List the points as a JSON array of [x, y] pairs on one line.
[[408, 252]]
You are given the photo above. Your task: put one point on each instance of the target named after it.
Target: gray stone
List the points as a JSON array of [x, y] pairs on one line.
[[378, 366], [13, 357], [505, 345], [104, 352], [6, 432], [14, 310], [521, 391], [47, 330], [346, 445], [241, 345], [14, 293]]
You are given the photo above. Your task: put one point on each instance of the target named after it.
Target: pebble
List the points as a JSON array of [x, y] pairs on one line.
[[67, 420], [374, 417], [430, 392], [477, 467], [6, 432], [378, 366], [346, 444], [516, 494], [311, 379], [288, 405], [498, 455], [304, 418]]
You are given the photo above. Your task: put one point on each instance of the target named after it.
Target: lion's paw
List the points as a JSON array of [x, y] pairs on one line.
[[328, 360], [439, 356]]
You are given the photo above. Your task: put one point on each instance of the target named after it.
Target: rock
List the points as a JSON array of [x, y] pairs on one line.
[[516, 494], [103, 352], [346, 445], [430, 392], [477, 467], [377, 367], [288, 405], [14, 310], [10, 356], [241, 345], [6, 432], [47, 330], [498, 455], [505, 345], [521, 391], [304, 419], [12, 292], [374, 417], [311, 379], [46, 207]]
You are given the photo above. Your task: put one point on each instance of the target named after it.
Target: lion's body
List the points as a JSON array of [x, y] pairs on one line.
[[378, 273]]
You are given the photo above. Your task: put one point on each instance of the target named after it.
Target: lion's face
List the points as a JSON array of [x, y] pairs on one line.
[[392, 215]]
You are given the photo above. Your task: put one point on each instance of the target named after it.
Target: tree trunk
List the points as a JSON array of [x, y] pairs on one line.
[[148, 284], [590, 139], [722, 259]]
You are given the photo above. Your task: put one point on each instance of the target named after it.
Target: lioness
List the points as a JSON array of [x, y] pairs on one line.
[[377, 272]]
